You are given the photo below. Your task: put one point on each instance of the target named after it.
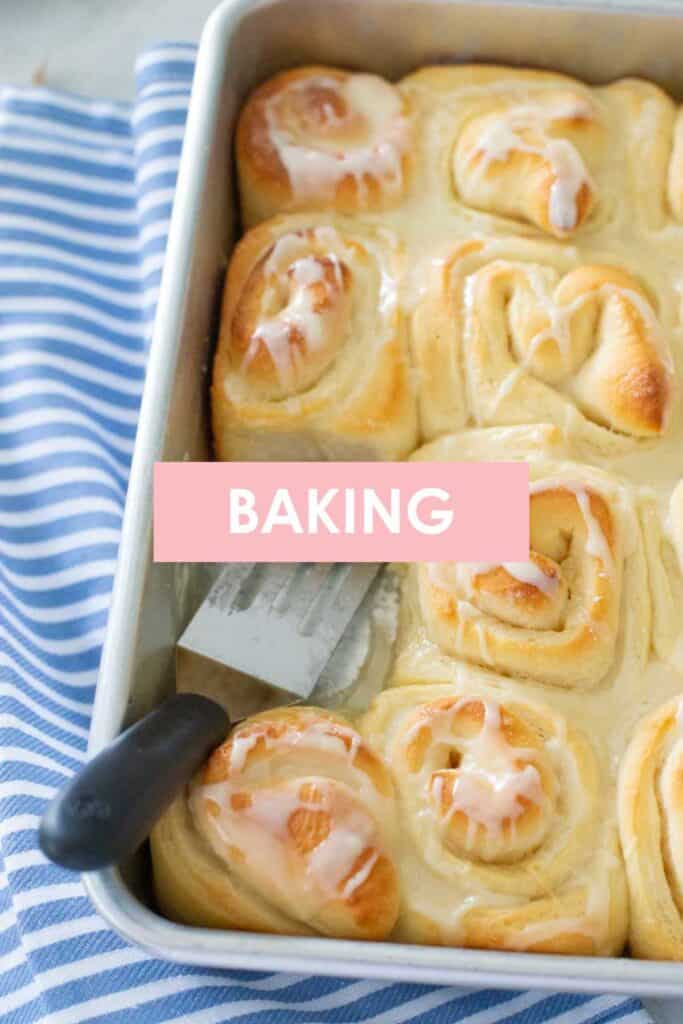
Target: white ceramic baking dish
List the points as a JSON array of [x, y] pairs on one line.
[[244, 42]]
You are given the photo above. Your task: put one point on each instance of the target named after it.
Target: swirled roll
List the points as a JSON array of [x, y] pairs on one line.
[[318, 138], [651, 826], [288, 828], [505, 839], [538, 152], [512, 331], [576, 614], [312, 359]]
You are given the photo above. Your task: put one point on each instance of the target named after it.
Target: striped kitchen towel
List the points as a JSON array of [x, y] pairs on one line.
[[85, 198]]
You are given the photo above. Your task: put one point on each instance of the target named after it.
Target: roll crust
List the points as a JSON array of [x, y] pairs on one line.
[[535, 152], [585, 610], [507, 846], [650, 816], [321, 138], [511, 331], [520, 618], [312, 353], [288, 828]]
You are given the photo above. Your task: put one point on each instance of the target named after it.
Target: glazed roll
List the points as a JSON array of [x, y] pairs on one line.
[[312, 356], [318, 138], [506, 844], [650, 822], [538, 152], [575, 615], [288, 828], [512, 331]]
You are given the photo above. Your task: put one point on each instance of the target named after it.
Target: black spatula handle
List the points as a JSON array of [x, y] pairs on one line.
[[110, 806]]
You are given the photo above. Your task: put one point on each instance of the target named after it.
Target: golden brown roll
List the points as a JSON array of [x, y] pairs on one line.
[[513, 331], [288, 829], [505, 839], [534, 151], [651, 823], [317, 138], [312, 357], [577, 613]]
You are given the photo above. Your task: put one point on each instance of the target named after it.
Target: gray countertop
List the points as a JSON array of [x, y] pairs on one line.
[[89, 46]]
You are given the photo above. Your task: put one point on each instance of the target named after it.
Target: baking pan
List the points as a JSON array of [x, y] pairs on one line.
[[244, 42]]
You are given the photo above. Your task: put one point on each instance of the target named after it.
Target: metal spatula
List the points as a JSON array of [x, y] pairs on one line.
[[276, 624], [264, 636]]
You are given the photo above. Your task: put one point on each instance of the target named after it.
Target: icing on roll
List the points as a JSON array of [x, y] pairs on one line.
[[312, 358], [525, 161], [651, 825], [506, 842], [492, 796], [554, 618], [297, 813], [594, 336], [293, 315], [584, 349], [319, 137], [520, 593]]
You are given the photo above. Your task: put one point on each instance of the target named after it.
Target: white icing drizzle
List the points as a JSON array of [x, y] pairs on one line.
[[559, 329], [467, 612], [503, 135], [489, 799], [331, 741], [490, 785], [316, 166], [458, 577], [288, 248], [295, 263], [251, 810], [533, 576], [360, 876], [291, 257], [596, 542], [505, 387], [275, 335], [570, 174], [242, 745], [260, 830], [524, 572], [331, 861], [559, 320], [332, 738]]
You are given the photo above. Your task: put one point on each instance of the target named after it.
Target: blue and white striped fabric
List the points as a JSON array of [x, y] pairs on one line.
[[85, 198]]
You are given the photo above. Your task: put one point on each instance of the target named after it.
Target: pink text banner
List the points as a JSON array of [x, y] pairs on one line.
[[341, 512]]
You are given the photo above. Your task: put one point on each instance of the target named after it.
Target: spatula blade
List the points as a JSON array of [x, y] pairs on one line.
[[272, 624]]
